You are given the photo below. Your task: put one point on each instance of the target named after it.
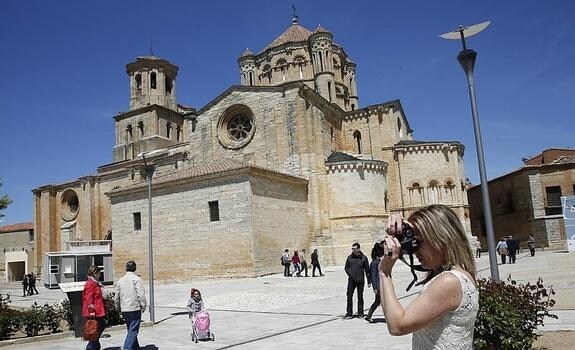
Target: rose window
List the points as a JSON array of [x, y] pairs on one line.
[[239, 127]]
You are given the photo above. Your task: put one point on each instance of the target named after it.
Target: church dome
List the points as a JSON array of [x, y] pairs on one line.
[[294, 34], [247, 53]]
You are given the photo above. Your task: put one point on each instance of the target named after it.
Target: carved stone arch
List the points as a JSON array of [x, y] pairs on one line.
[[281, 62]]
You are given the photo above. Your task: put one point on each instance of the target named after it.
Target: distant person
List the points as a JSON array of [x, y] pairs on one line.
[[93, 303], [286, 261], [130, 299], [296, 263], [32, 283], [501, 248], [512, 247], [25, 282], [315, 263], [356, 266], [376, 253], [303, 262], [531, 245], [477, 249]]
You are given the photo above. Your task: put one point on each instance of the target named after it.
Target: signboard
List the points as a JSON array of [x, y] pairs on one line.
[[568, 204], [72, 286]]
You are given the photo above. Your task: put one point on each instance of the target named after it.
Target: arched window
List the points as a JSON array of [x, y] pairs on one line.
[[398, 124], [153, 80], [329, 90], [301, 71], [251, 79], [353, 107], [449, 187], [168, 85], [244, 78], [138, 79], [178, 132], [415, 194], [320, 54], [168, 129], [357, 138], [433, 192], [141, 127], [129, 133]]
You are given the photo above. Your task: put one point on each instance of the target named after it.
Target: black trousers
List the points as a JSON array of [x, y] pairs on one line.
[[351, 286], [532, 250], [304, 267], [512, 254], [286, 270], [374, 306], [503, 257], [313, 270]]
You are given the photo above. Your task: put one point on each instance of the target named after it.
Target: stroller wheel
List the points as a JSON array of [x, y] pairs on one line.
[[196, 340], [213, 337]]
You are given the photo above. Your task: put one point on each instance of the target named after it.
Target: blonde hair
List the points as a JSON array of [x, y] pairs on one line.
[[441, 228]]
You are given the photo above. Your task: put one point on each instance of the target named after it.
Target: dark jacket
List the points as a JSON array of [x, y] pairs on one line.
[[513, 245], [374, 270], [314, 259], [356, 266]]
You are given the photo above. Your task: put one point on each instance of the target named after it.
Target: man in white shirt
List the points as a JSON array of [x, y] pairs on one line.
[[130, 299]]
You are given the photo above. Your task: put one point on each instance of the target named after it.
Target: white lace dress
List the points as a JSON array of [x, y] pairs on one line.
[[455, 329]]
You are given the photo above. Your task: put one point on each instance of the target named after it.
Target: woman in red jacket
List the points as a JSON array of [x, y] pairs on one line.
[[93, 303]]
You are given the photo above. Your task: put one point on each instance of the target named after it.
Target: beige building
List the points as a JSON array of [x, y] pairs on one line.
[[17, 244], [286, 159], [528, 200]]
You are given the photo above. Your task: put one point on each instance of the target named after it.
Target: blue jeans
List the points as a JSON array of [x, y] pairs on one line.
[[95, 345], [132, 319]]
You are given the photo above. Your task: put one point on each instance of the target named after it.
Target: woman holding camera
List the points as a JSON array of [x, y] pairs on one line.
[[443, 315]]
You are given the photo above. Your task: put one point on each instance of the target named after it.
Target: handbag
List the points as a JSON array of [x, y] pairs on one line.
[[91, 331]]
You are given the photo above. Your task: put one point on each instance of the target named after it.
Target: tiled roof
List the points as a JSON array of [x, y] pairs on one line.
[[246, 53], [340, 157], [211, 168], [22, 226], [294, 34], [321, 29]]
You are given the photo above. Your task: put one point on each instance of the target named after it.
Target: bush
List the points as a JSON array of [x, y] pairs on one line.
[[67, 313], [113, 315], [52, 316], [9, 319], [32, 320], [509, 313]]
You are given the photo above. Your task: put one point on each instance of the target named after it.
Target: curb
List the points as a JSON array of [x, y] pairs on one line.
[[66, 334]]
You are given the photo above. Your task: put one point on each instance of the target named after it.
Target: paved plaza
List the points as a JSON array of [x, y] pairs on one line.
[[302, 313]]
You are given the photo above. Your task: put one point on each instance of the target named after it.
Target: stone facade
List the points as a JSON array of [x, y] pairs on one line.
[[331, 171], [17, 256], [527, 201]]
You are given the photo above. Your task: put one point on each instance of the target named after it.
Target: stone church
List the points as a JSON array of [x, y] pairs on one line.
[[287, 159]]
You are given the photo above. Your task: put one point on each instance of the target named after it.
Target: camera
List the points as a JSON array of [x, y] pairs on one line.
[[406, 238]]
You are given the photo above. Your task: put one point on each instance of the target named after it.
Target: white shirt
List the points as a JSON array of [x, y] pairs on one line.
[[130, 293]]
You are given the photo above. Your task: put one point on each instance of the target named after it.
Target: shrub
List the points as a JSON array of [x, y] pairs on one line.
[[32, 320], [509, 313], [67, 314], [52, 317], [113, 315], [9, 319]]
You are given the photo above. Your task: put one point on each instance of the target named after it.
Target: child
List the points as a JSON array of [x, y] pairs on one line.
[[195, 303]]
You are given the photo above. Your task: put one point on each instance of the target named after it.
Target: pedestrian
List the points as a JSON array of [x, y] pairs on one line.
[[93, 304], [315, 263], [501, 248], [286, 261], [443, 315], [512, 247], [376, 253], [296, 263], [195, 303], [477, 249], [303, 262], [356, 266], [32, 283], [531, 245], [130, 299], [25, 283]]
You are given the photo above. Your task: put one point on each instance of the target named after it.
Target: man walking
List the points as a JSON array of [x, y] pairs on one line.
[[513, 247], [32, 283], [531, 245], [315, 263], [130, 299], [356, 266], [303, 262]]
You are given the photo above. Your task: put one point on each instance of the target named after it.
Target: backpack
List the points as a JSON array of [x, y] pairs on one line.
[[503, 249]]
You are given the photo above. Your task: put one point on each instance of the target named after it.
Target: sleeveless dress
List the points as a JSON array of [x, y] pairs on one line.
[[453, 330]]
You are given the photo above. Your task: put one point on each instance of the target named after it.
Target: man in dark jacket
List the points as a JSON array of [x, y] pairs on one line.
[[513, 247], [356, 266], [315, 263]]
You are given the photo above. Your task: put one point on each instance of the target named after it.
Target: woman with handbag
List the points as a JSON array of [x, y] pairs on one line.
[[93, 309]]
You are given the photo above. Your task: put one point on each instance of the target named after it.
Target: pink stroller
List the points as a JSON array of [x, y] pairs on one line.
[[201, 326]]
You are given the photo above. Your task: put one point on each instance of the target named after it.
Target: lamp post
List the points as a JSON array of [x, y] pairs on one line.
[[466, 58], [150, 169]]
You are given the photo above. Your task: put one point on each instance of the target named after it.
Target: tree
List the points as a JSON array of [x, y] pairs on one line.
[[5, 201]]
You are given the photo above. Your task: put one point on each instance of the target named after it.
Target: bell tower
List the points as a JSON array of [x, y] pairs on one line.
[[152, 82]]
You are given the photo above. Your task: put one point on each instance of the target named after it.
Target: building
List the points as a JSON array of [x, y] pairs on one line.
[[528, 200], [17, 244], [286, 159]]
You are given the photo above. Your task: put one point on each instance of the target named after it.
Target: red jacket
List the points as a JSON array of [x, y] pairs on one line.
[[92, 295]]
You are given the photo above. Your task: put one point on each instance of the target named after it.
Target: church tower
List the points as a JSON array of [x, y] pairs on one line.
[[247, 64], [152, 82], [321, 48]]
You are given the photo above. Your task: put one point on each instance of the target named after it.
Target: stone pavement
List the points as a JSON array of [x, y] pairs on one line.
[[306, 313]]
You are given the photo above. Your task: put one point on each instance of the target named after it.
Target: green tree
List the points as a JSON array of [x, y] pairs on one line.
[[5, 201]]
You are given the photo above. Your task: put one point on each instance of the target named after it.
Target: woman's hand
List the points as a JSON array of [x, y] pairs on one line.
[[391, 252]]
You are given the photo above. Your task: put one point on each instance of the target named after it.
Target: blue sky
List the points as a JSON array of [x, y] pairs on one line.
[[62, 65]]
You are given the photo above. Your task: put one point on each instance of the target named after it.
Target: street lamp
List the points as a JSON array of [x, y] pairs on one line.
[[466, 58], [150, 168]]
